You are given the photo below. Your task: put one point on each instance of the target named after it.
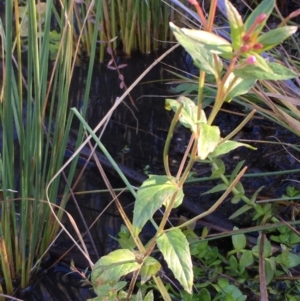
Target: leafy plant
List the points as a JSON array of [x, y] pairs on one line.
[[236, 65]]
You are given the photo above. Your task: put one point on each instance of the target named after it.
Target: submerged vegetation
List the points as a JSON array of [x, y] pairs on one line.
[[38, 63]]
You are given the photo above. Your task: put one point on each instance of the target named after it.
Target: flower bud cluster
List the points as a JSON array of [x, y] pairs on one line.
[[249, 39]]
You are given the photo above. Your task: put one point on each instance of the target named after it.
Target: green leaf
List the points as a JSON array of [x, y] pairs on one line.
[[188, 114], [154, 192], [294, 238], [233, 262], [110, 268], [120, 285], [246, 259], [211, 42], [292, 191], [175, 249], [103, 290], [240, 188], [227, 146], [279, 72], [204, 295], [137, 297], [265, 7], [254, 196], [125, 239], [262, 63], [259, 211], [236, 25], [150, 268], [269, 270], [219, 169], [54, 37], [149, 296], [202, 58], [223, 282], [227, 297], [236, 170], [185, 88], [233, 293], [267, 248], [291, 260], [238, 86], [239, 241], [237, 197], [276, 36], [208, 140], [240, 211], [217, 188]]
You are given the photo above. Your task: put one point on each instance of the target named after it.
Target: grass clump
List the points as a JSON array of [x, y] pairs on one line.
[[35, 126]]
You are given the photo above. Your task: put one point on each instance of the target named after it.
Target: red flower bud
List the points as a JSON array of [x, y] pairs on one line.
[[245, 48], [260, 18], [246, 38], [258, 46]]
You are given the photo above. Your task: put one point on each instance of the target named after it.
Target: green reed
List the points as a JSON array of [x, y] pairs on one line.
[[138, 25], [35, 122]]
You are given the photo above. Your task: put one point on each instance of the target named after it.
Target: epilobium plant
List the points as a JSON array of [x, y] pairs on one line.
[[236, 65]]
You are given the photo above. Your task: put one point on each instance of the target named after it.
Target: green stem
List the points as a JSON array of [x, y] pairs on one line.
[[168, 141], [239, 127], [220, 93], [187, 151], [189, 166], [200, 93], [162, 289]]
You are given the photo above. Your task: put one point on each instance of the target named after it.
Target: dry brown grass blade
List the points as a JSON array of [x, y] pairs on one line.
[[276, 112], [83, 248]]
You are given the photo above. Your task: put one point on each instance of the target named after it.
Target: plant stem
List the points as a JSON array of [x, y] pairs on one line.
[[168, 141], [220, 93], [200, 92], [186, 153], [211, 15]]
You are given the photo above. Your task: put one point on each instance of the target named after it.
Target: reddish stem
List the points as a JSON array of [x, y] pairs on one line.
[[211, 16], [200, 13]]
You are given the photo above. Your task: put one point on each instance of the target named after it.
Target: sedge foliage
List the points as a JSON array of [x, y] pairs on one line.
[[35, 126]]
